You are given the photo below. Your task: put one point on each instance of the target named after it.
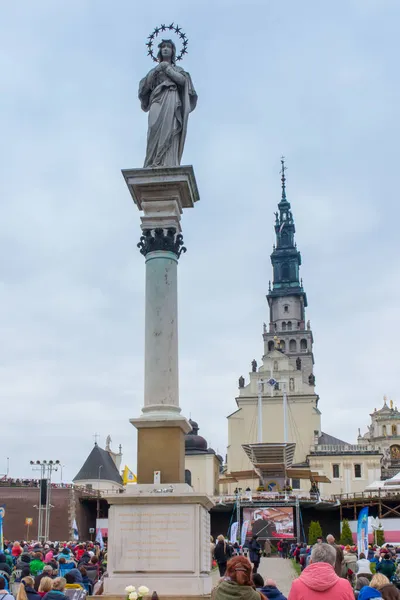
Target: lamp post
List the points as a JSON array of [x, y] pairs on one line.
[[46, 467], [238, 492]]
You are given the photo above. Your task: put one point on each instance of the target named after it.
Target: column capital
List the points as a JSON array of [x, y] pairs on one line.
[[161, 239]]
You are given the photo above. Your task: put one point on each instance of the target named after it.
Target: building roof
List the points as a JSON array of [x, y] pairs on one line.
[[195, 443], [386, 410], [91, 467], [326, 439]]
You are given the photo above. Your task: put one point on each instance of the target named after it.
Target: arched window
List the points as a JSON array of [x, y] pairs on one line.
[[275, 365], [303, 344], [289, 325], [283, 345], [271, 346], [284, 326], [292, 346], [384, 430], [285, 271], [286, 308], [394, 429]]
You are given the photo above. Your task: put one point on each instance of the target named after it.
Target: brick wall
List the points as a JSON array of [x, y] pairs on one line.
[[19, 504]]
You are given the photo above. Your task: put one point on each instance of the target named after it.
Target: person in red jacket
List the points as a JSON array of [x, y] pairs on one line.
[[16, 550], [319, 581], [80, 551]]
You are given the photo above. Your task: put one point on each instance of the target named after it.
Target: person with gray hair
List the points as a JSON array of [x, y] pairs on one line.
[[339, 564], [319, 581]]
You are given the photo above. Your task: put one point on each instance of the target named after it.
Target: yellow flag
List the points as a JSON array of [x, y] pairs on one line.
[[128, 476]]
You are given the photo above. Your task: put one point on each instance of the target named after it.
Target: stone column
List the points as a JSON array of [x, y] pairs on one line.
[[161, 373], [161, 194], [159, 535]]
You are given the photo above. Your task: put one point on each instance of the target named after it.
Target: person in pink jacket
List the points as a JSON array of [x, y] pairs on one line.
[[319, 581]]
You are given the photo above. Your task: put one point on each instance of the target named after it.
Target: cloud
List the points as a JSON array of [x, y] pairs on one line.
[[313, 82]]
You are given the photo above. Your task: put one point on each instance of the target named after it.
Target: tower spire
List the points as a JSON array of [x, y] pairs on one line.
[[283, 177], [285, 257]]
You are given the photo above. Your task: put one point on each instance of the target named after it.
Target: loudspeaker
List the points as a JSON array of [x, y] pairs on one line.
[[43, 492]]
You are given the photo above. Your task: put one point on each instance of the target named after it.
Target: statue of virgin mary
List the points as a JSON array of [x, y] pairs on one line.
[[168, 95]]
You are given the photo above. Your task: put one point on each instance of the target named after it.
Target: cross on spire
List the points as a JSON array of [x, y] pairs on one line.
[[96, 437], [283, 178]]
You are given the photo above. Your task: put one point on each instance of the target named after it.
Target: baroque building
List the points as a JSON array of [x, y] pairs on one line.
[[384, 434]]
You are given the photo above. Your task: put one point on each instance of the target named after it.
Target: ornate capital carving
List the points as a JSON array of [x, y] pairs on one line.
[[160, 239]]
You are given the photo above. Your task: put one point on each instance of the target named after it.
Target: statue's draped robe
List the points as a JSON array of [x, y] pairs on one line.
[[168, 105]]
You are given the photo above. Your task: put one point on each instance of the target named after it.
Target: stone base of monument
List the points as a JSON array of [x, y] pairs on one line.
[[159, 536]]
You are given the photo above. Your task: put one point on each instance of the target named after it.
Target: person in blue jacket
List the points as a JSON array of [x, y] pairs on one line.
[[267, 588]]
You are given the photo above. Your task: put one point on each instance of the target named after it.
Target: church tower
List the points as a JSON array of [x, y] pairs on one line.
[[287, 299], [287, 360]]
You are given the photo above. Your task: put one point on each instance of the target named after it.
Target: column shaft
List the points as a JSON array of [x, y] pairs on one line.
[[161, 387]]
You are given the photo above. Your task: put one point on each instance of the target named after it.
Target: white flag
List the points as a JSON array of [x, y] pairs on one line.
[[234, 530], [75, 528], [99, 538], [245, 528]]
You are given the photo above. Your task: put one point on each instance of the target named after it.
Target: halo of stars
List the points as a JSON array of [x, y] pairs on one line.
[[161, 29]]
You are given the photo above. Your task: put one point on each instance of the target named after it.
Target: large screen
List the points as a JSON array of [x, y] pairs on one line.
[[269, 522]]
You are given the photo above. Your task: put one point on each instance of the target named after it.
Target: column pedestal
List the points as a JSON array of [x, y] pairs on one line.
[[161, 539]]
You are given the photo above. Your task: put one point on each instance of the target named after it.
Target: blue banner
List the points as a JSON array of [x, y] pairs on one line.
[[362, 531]]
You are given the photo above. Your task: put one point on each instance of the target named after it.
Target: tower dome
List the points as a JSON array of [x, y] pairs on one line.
[[195, 443]]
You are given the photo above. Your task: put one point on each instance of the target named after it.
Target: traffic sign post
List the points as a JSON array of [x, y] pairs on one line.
[[28, 523]]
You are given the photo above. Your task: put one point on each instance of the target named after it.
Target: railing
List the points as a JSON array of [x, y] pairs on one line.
[[32, 483], [35, 483], [293, 496], [95, 493], [369, 495]]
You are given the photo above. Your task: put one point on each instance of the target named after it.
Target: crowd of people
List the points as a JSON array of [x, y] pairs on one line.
[[56, 571], [10, 482], [328, 571]]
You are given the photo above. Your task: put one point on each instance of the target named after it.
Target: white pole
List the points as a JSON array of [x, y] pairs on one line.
[[259, 413], [284, 413]]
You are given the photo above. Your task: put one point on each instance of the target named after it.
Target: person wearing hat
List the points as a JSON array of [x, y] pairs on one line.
[[74, 589], [268, 588], [386, 566], [23, 561], [3, 564]]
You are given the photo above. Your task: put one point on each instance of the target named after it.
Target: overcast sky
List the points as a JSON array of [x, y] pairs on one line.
[[316, 81]]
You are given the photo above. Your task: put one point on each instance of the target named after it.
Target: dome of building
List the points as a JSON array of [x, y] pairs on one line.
[[195, 443]]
